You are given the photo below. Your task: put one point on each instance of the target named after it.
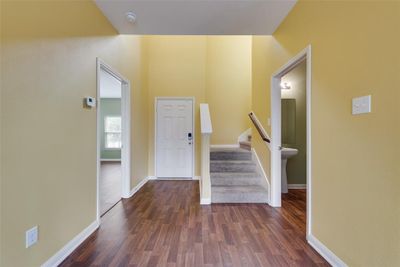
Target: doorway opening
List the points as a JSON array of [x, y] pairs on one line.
[[175, 140], [113, 138], [291, 130]]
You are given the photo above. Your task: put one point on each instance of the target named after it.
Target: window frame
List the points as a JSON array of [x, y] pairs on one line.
[[112, 132]]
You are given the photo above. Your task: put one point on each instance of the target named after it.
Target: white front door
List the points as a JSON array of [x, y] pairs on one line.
[[174, 138]]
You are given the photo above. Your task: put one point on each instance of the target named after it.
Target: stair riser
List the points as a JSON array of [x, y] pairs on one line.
[[235, 181], [230, 156], [239, 198], [231, 167]]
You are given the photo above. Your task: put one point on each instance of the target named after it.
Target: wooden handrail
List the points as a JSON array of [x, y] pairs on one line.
[[259, 128]]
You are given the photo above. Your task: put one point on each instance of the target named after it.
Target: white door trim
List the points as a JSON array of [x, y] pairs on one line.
[[276, 131], [192, 98], [126, 132]]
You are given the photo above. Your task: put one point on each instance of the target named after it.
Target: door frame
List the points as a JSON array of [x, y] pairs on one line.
[[304, 55], [192, 98], [125, 131]]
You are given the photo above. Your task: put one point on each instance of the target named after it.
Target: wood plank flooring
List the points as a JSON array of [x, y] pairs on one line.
[[110, 185], [164, 225]]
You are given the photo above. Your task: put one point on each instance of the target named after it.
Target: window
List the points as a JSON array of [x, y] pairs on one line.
[[112, 132]]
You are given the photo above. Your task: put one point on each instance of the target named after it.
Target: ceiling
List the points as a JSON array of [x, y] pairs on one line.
[[197, 17]]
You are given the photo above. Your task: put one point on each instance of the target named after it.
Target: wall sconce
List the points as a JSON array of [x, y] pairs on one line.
[[286, 86]]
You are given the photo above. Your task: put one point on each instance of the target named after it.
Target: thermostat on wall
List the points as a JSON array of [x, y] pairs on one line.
[[90, 102]]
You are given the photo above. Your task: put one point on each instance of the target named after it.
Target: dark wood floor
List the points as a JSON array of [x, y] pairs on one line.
[[110, 184], [164, 225]]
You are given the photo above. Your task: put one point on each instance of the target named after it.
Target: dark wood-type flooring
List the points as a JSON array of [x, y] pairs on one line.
[[164, 225], [110, 185]]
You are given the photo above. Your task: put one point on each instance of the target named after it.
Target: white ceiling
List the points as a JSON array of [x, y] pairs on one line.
[[110, 87], [197, 17]]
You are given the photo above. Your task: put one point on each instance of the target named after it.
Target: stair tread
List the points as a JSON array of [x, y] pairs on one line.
[[229, 149], [232, 161], [234, 182], [234, 175], [256, 174], [238, 166], [227, 189], [231, 155]]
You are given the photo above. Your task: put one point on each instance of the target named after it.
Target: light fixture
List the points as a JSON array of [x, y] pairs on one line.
[[130, 17], [286, 85]]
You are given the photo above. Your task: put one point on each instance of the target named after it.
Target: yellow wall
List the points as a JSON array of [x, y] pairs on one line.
[[48, 141], [212, 69], [1, 146], [228, 87], [48, 53], [262, 49], [176, 67], [48, 65], [356, 185]]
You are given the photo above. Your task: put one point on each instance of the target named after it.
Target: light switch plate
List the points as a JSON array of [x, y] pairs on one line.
[[31, 236], [361, 105]]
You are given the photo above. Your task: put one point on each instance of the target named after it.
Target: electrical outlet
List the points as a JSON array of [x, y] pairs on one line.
[[31, 236]]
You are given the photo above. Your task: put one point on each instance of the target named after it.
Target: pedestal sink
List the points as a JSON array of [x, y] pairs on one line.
[[286, 154]]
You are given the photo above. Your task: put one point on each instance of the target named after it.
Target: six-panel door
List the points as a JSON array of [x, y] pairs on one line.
[[174, 133]]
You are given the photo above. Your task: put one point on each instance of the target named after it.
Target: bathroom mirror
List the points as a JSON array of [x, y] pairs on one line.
[[288, 121]]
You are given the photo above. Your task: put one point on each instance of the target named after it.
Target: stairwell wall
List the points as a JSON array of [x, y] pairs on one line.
[[213, 69]]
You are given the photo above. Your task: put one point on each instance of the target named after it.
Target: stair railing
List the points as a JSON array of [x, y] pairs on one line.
[[206, 131], [259, 128]]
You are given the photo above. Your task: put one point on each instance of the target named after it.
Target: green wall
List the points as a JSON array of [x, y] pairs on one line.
[[108, 107], [296, 166]]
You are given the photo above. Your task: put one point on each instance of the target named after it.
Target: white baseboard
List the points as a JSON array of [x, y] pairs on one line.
[[205, 201], [64, 252], [327, 254], [261, 170], [297, 186], [138, 186], [152, 178], [196, 177], [225, 146], [110, 159]]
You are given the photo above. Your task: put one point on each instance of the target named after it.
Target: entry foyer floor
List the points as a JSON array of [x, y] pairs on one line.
[[164, 225]]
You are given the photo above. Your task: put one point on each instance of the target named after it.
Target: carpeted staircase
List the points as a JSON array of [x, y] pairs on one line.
[[234, 177]]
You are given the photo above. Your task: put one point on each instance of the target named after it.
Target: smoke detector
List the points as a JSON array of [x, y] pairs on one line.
[[130, 17]]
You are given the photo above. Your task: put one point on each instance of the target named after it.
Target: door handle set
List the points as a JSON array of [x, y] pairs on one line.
[[190, 138]]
